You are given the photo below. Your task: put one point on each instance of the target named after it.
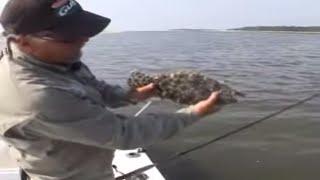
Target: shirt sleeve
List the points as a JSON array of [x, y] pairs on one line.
[[64, 116], [113, 95]]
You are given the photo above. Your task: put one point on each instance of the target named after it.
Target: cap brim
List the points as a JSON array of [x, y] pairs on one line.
[[84, 24]]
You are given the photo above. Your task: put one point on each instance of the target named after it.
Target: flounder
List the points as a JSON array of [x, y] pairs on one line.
[[184, 87]]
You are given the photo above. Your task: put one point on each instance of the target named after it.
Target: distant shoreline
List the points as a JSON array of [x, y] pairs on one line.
[[296, 29], [291, 32], [269, 29]]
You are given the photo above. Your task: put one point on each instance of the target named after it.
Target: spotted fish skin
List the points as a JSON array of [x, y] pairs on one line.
[[184, 87]]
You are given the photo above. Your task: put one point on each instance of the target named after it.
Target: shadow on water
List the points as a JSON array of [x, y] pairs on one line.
[[280, 148], [182, 168]]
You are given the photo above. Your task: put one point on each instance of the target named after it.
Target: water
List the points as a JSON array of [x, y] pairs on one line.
[[273, 69]]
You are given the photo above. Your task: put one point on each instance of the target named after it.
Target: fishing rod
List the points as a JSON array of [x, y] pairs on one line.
[[180, 154]]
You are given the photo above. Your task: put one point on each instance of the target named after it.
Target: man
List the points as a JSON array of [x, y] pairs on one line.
[[54, 113]]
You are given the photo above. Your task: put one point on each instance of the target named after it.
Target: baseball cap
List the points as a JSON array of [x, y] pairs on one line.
[[57, 18]]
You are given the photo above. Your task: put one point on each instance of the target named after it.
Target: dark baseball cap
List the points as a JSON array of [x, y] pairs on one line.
[[57, 18]]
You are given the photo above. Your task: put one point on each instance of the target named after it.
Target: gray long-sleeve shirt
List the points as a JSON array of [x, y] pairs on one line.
[[58, 125]]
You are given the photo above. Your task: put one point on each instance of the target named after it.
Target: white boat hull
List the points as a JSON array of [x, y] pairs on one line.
[[130, 160]]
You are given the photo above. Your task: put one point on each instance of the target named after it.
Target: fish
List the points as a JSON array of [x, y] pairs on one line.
[[185, 87]]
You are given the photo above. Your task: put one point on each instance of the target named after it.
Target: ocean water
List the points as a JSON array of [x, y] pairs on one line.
[[274, 70]]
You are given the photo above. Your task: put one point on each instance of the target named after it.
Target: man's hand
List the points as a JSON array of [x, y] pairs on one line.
[[143, 93], [206, 106]]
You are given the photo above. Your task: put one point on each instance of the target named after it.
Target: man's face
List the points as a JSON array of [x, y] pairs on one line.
[[51, 50]]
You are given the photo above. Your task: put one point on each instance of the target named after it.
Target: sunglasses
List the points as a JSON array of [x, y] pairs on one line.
[[51, 36]]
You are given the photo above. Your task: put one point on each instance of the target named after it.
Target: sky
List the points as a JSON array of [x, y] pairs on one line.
[[142, 15]]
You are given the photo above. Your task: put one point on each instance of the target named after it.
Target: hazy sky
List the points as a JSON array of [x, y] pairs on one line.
[[215, 14]]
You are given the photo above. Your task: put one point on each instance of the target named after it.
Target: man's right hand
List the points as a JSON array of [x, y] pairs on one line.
[[206, 106]]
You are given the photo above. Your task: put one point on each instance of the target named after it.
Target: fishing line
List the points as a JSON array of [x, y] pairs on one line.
[[183, 153], [143, 108]]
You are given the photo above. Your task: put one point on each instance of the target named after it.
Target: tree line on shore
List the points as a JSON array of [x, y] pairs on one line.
[[281, 28]]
